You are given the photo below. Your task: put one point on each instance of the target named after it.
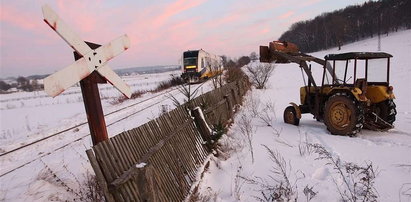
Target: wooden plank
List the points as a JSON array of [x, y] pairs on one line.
[[124, 177], [170, 156], [155, 132], [128, 140], [181, 157], [143, 138], [126, 162], [186, 136], [117, 156], [112, 159], [168, 172], [99, 175], [107, 167], [121, 152], [137, 147], [188, 158], [198, 141]]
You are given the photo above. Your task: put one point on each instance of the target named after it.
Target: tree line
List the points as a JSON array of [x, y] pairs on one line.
[[350, 24], [23, 83]]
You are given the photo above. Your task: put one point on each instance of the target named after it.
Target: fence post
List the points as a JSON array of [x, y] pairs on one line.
[[145, 183], [99, 175], [239, 88], [229, 105], [234, 96], [202, 126]]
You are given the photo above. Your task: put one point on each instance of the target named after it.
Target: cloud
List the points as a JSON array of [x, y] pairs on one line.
[[310, 2], [23, 20], [174, 9], [158, 31], [286, 15]]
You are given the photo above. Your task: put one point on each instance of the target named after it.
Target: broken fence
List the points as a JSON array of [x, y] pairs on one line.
[[159, 160]]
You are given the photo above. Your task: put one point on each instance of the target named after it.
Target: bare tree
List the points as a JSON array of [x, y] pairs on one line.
[[260, 74], [187, 91], [4, 86], [253, 56], [217, 81]]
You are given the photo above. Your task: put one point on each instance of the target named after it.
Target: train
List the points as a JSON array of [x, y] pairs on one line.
[[199, 65]]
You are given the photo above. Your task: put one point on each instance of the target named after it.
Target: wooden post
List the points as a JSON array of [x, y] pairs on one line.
[[229, 105], [202, 127], [234, 96], [92, 102], [99, 176]]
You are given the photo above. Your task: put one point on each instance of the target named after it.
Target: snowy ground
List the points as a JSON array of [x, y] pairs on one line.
[[229, 176], [56, 169], [25, 116]]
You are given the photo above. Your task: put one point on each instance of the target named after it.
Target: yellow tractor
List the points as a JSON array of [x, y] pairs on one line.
[[354, 92]]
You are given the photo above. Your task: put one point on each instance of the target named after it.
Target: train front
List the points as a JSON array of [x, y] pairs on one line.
[[190, 67]]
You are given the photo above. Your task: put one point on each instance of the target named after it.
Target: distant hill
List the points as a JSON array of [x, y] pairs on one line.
[[146, 70], [121, 72], [350, 24]]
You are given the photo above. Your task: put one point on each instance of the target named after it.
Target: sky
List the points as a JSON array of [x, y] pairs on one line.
[[159, 30]]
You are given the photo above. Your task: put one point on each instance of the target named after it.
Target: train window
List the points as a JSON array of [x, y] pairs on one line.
[[190, 61]]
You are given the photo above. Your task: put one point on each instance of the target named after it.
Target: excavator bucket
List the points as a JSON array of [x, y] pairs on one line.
[[280, 46], [284, 46]]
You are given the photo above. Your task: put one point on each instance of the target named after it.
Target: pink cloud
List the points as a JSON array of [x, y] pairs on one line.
[[176, 8], [286, 15], [310, 2], [23, 20], [79, 16]]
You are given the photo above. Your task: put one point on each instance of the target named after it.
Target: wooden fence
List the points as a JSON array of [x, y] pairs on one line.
[[159, 160]]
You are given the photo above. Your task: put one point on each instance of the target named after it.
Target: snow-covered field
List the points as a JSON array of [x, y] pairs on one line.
[[230, 176], [25, 116], [57, 168]]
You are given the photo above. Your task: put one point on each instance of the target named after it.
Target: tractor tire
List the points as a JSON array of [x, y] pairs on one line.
[[290, 116], [342, 115], [387, 111]]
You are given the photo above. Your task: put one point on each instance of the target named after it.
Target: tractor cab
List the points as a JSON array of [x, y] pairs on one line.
[[365, 74]]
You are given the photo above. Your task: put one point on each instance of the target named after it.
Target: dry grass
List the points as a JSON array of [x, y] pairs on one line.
[[234, 74], [358, 181], [282, 189], [88, 189]]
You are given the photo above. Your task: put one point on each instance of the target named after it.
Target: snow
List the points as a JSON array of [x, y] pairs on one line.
[[200, 111], [23, 117], [228, 177], [141, 165], [26, 117], [22, 172]]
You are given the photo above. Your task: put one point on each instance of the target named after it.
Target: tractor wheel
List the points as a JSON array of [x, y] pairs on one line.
[[290, 116], [342, 115], [387, 111]]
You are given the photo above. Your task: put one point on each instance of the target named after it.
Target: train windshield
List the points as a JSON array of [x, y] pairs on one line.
[[192, 61]]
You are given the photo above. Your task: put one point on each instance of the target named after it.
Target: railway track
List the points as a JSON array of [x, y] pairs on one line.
[[66, 130]]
